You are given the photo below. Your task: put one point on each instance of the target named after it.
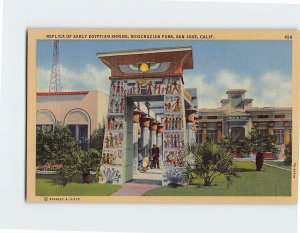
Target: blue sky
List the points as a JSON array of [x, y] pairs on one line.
[[261, 67]]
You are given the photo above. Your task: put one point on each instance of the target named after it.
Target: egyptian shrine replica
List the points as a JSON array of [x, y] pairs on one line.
[[153, 79]]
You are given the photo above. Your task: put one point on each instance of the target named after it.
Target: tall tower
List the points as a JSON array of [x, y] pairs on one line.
[[55, 78]]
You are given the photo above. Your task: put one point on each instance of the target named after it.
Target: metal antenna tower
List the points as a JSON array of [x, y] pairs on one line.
[[55, 78]]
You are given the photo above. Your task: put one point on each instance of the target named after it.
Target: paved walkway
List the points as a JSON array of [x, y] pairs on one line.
[[141, 183], [150, 174], [134, 189]]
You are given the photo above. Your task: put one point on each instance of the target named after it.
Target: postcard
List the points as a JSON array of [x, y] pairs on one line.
[[181, 116]]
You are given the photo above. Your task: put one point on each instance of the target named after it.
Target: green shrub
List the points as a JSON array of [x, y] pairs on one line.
[[288, 154], [211, 161]]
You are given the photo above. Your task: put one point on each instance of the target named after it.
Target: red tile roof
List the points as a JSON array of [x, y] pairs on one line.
[[62, 93]]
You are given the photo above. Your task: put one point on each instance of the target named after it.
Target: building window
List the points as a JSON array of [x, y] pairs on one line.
[[78, 122], [279, 125], [280, 116], [263, 116], [262, 131], [262, 127], [212, 134], [72, 129], [80, 133], [44, 127], [279, 134], [199, 136], [212, 117]]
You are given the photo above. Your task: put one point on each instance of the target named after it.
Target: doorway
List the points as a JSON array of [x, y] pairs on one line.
[[160, 102], [147, 159], [238, 132]]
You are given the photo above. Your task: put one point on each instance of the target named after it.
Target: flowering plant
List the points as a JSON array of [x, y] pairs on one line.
[[49, 167]]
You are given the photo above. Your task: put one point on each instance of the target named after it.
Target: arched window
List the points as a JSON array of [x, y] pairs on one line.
[[78, 122], [45, 119]]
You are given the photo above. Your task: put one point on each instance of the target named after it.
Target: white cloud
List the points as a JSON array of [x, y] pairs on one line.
[[275, 90], [229, 80], [43, 79], [91, 78], [211, 91], [271, 89]]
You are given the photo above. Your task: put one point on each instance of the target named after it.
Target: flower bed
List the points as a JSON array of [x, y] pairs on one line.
[[49, 167], [54, 176]]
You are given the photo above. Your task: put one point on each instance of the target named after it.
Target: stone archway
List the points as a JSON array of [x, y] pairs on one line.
[[138, 76]]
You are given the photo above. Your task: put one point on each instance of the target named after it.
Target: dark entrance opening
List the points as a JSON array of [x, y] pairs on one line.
[[143, 138]]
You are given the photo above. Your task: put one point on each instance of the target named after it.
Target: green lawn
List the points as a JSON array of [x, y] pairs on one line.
[[269, 182], [45, 187], [278, 164]]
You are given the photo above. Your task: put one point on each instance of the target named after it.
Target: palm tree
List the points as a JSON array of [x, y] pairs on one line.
[[211, 161]]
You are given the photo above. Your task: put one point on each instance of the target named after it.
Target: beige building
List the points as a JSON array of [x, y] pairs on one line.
[[238, 116], [81, 111]]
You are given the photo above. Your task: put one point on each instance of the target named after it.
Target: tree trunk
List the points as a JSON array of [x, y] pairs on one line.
[[85, 177], [207, 181], [259, 161]]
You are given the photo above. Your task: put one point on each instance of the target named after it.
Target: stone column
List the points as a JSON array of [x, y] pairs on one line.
[[271, 126], [145, 141], [117, 170], [190, 119], [189, 132], [153, 129], [145, 135], [204, 132], [153, 138], [159, 141], [286, 133], [136, 120], [254, 126], [175, 139], [128, 145], [219, 132], [135, 147]]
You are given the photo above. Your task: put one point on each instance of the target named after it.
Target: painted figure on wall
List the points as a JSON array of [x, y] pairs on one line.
[[112, 157], [172, 104], [173, 140], [172, 122], [113, 140], [114, 123]]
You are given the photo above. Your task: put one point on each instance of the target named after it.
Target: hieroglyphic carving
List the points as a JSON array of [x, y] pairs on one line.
[[173, 122], [174, 133]]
